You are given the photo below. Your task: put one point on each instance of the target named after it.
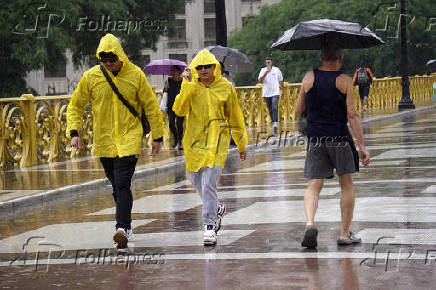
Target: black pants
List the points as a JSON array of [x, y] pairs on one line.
[[363, 91], [120, 171], [176, 126]]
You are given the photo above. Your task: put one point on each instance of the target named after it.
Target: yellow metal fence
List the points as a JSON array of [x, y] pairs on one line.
[[32, 129]]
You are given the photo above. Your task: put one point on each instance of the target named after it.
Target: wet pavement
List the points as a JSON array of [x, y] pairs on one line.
[[69, 243]]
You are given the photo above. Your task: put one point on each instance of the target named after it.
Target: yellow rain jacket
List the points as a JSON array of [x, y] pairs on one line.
[[116, 131], [210, 112]]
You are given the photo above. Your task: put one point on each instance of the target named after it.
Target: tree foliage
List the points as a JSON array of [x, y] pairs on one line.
[[381, 16], [36, 33]]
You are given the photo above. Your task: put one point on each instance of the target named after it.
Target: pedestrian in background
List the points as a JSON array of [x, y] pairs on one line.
[[172, 88], [363, 78], [272, 82]]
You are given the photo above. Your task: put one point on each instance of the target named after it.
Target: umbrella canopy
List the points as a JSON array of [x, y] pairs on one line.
[[431, 65], [163, 66], [314, 34], [233, 59]]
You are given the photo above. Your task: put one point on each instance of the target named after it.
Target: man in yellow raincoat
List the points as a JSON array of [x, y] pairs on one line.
[[211, 106], [117, 132]]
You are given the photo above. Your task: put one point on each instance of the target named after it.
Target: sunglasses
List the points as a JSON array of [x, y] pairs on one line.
[[206, 66], [110, 59]]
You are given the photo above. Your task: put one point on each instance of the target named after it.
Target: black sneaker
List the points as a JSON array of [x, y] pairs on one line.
[[310, 238], [351, 240], [174, 144]]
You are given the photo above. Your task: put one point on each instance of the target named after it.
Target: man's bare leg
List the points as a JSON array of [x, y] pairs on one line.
[[347, 204], [311, 197]]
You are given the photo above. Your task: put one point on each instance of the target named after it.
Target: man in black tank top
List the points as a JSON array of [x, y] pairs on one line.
[[327, 96]]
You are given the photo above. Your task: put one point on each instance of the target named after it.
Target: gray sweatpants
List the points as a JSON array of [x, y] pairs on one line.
[[205, 182]]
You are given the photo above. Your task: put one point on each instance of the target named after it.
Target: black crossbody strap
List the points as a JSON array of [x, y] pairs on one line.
[[117, 92]]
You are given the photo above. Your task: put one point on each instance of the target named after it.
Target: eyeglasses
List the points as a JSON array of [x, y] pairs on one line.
[[111, 59], [206, 66]]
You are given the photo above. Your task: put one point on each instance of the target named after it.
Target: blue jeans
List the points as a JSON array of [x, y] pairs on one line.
[[273, 107]]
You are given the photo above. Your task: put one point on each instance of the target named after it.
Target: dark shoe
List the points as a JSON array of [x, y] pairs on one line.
[[310, 238], [351, 240], [180, 147], [174, 144]]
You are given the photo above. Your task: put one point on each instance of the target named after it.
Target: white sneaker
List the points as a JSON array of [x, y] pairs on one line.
[[219, 216], [209, 235], [121, 238], [275, 128]]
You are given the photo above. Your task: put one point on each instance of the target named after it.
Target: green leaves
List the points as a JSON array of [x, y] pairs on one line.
[[256, 37], [35, 33]]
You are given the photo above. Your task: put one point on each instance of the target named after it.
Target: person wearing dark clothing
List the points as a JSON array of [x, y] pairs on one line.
[[172, 87], [117, 133], [363, 78], [327, 96]]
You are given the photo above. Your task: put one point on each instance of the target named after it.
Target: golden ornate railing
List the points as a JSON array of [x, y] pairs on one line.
[[32, 129]]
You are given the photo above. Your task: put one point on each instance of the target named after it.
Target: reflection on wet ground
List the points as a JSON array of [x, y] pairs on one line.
[[259, 245]]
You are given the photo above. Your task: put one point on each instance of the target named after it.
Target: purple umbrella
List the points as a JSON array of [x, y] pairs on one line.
[[163, 66]]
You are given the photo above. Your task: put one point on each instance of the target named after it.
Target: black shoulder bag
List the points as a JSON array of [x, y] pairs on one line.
[[145, 124]]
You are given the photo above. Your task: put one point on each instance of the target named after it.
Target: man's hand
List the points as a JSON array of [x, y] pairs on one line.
[[364, 156], [76, 142], [187, 74], [155, 147], [242, 155]]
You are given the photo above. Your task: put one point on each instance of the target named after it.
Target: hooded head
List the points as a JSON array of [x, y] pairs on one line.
[[110, 49], [203, 59]]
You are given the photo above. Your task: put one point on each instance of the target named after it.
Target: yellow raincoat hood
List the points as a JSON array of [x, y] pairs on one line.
[[205, 57], [109, 43], [210, 112], [116, 132]]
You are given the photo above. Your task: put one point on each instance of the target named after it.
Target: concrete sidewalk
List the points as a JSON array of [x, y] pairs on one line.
[[38, 185]]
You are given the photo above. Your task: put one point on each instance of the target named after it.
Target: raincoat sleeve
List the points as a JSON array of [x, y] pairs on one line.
[[181, 103], [76, 107], [236, 121], [151, 107]]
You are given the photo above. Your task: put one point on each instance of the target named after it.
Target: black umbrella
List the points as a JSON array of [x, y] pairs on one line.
[[314, 34], [233, 59], [431, 65]]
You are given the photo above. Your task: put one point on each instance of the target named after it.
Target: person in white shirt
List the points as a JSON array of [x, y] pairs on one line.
[[272, 81]]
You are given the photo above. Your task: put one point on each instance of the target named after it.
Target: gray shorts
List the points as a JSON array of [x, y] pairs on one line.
[[322, 158]]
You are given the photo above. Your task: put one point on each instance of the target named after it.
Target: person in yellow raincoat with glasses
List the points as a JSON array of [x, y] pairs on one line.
[[117, 132], [211, 107]]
